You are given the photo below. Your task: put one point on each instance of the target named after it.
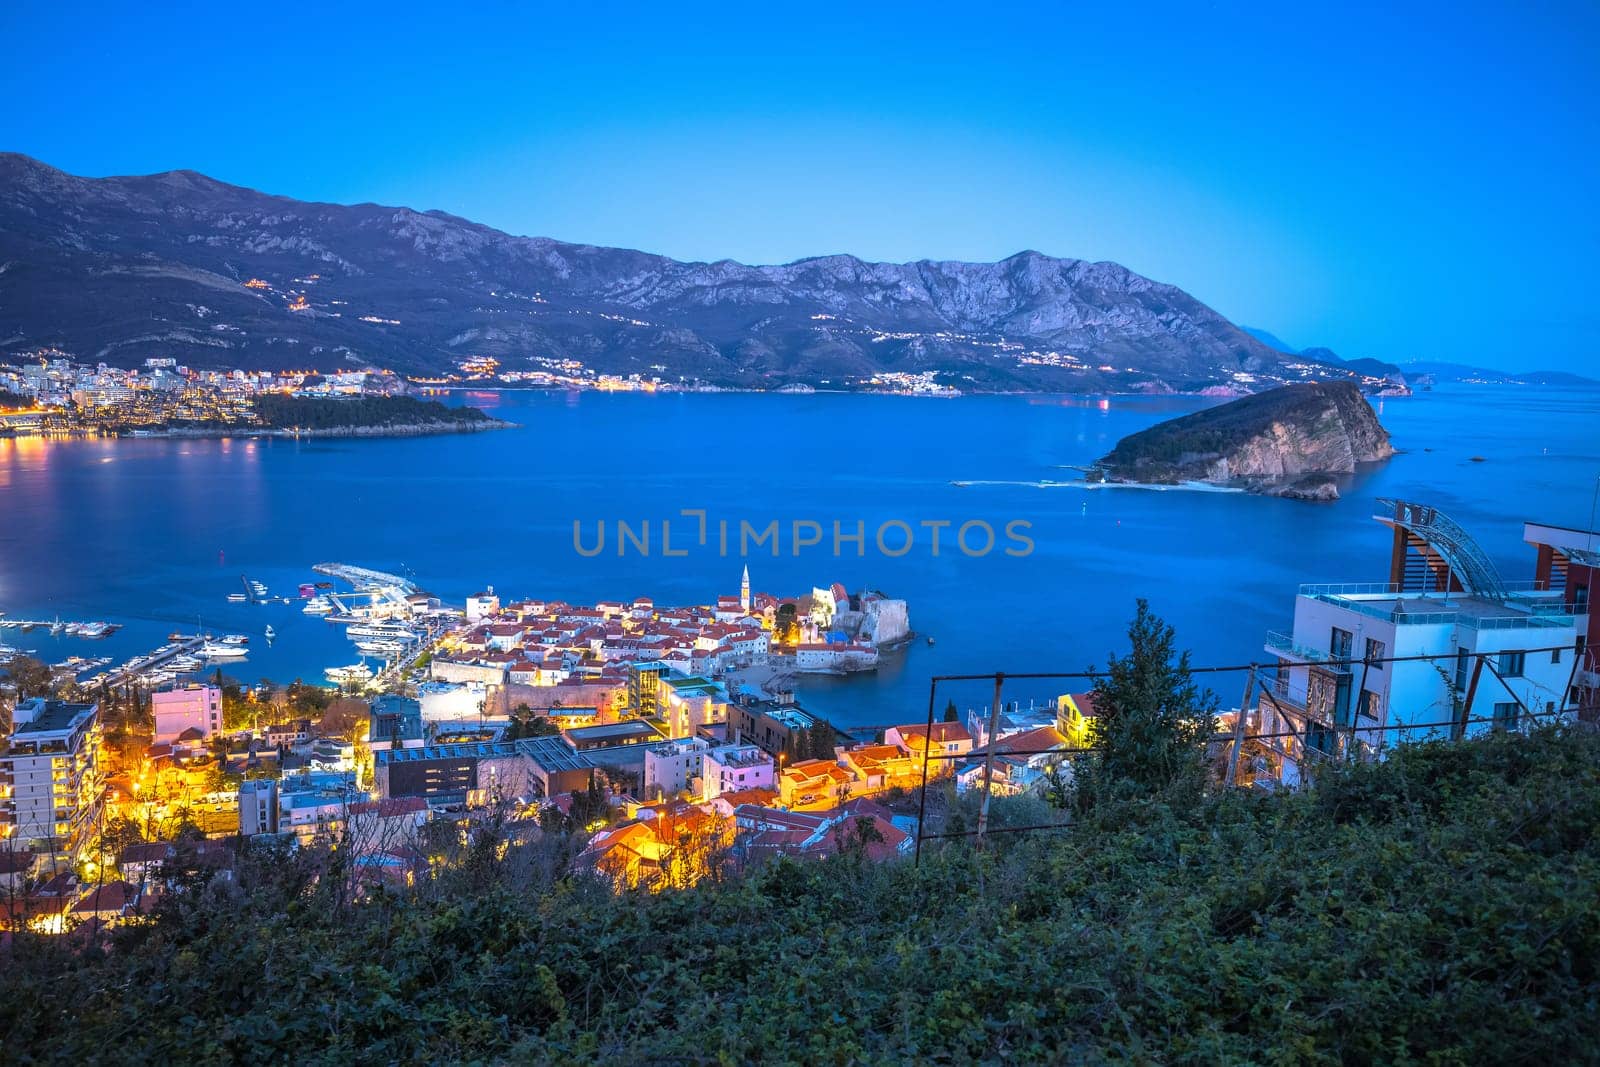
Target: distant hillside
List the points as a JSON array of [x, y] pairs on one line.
[[1287, 441], [1462, 372], [177, 264], [1375, 368], [1270, 340]]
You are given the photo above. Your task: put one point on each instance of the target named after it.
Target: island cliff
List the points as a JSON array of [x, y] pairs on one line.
[[1284, 442]]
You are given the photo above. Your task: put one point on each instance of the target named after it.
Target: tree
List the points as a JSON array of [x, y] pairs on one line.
[[590, 806], [31, 676], [819, 740], [1152, 721], [785, 626], [345, 717], [950, 712]]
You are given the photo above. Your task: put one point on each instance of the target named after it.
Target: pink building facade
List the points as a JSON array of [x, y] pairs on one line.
[[197, 707]]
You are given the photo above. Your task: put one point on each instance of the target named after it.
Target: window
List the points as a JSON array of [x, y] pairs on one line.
[[1375, 650], [1505, 715], [1369, 704], [1555, 655], [1510, 664], [1340, 643]]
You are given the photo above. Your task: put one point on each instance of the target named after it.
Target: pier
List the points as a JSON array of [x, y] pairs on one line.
[[136, 667], [60, 626], [368, 580]]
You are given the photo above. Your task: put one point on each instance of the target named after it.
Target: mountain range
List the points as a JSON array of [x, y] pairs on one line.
[[179, 265]]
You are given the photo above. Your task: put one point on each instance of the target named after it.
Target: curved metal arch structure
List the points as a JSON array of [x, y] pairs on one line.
[[1436, 534]]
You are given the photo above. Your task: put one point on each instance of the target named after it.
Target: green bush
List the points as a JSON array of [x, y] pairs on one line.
[[1437, 908]]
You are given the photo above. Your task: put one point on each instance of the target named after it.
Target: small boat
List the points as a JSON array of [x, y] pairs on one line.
[[237, 598], [235, 639], [218, 650], [270, 633], [930, 640], [94, 629], [318, 605]]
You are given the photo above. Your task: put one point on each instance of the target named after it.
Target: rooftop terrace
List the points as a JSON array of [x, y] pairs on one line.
[[1525, 606]]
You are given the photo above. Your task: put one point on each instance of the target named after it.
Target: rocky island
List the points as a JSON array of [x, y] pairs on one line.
[[1291, 442]]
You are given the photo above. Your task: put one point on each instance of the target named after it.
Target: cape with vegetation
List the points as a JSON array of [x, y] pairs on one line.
[[1290, 441], [1438, 907], [355, 414]]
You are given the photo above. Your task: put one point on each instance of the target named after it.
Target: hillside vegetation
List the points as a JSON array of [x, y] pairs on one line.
[[1437, 908], [281, 411]]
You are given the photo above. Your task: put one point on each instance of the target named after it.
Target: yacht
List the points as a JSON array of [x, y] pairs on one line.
[[218, 650], [381, 629], [94, 629], [237, 598], [318, 605], [235, 639], [270, 633], [356, 672]]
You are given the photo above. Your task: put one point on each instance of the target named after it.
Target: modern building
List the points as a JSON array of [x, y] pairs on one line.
[[690, 704], [608, 735], [1568, 560], [1445, 648], [258, 806], [53, 791], [482, 773], [396, 723], [775, 725], [189, 707]]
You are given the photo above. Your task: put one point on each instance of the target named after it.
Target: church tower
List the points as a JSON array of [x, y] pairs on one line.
[[744, 590]]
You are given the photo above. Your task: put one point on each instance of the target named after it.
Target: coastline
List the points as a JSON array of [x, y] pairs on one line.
[[402, 430]]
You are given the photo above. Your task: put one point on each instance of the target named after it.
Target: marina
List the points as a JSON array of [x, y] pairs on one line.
[[90, 630]]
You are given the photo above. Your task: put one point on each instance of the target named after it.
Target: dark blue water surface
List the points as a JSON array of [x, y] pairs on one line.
[[154, 534]]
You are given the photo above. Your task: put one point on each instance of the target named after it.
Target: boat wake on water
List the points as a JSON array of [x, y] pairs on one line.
[[1189, 487]]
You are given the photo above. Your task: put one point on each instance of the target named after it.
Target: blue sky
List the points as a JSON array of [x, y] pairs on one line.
[[1415, 184]]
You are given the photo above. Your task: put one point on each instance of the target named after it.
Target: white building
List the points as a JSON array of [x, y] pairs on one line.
[[837, 657], [1480, 673], [674, 767], [451, 702], [51, 767], [730, 768], [1475, 653], [482, 605]]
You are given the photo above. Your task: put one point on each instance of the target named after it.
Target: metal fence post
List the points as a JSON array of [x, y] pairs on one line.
[[988, 757]]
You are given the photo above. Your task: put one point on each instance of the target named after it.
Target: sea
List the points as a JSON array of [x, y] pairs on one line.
[[153, 534]]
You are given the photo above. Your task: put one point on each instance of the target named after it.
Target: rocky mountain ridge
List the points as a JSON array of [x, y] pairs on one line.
[[180, 265]]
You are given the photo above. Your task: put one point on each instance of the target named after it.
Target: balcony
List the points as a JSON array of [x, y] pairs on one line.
[[1282, 644]]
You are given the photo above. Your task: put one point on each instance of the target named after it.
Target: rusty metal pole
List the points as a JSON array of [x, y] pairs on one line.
[[1238, 727], [922, 800], [988, 757]]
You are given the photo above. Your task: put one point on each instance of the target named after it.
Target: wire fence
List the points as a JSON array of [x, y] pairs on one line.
[[1314, 724]]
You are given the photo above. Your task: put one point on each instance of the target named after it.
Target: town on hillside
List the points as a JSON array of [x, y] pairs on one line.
[[671, 741]]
